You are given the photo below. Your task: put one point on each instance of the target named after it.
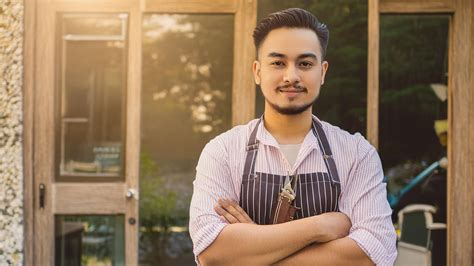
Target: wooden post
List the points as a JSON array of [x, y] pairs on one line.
[[373, 73]]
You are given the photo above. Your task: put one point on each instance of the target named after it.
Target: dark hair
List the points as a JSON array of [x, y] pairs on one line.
[[291, 18]]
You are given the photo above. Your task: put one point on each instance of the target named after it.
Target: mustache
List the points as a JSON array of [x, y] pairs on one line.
[[295, 85]]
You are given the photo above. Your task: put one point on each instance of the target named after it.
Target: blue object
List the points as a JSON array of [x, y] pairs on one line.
[[393, 199]]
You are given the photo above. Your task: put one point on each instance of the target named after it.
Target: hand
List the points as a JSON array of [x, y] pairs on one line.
[[232, 212], [332, 225]]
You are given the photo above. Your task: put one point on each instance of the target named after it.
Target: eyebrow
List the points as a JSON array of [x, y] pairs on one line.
[[301, 56]]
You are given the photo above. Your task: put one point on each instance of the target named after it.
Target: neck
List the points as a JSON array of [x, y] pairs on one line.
[[288, 129]]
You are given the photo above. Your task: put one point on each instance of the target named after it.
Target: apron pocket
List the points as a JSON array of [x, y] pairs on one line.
[[316, 194]]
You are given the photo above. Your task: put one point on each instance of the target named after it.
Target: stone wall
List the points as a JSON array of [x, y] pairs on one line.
[[11, 161]]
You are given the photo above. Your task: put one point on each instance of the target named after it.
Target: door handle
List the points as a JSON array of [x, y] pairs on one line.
[[42, 195], [131, 193]]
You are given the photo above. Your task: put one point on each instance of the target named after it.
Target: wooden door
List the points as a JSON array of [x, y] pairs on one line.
[[87, 89]]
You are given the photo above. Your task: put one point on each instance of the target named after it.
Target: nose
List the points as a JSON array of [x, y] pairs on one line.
[[291, 75]]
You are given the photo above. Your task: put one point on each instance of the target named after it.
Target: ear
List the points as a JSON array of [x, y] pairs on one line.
[[324, 69], [256, 71]]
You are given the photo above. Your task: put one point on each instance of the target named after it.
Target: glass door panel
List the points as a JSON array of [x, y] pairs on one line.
[[413, 114], [186, 101], [91, 80], [89, 240]]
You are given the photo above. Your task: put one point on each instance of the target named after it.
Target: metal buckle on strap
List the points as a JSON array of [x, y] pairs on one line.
[[252, 147], [327, 156]]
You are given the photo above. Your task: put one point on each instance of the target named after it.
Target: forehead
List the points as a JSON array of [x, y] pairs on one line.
[[290, 42]]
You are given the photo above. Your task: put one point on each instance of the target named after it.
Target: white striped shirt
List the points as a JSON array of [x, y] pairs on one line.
[[363, 194]]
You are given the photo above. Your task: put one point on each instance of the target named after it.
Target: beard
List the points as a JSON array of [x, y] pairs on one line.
[[290, 110]]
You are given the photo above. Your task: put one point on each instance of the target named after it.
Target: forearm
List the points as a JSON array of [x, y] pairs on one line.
[[244, 243], [343, 251]]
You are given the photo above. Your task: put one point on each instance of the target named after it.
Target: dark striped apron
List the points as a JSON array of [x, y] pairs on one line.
[[316, 193]]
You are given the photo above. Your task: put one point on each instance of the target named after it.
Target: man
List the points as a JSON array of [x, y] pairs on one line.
[[342, 215]]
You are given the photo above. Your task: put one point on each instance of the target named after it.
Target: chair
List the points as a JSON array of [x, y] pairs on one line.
[[415, 243]]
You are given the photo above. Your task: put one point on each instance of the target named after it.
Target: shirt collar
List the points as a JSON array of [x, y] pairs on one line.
[[264, 137]]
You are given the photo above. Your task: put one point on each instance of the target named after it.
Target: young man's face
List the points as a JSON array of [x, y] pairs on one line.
[[290, 70]]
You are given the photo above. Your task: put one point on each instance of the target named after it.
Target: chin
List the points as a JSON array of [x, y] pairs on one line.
[[292, 109]]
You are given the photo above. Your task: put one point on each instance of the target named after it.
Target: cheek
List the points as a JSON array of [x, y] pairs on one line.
[[270, 77], [312, 78]]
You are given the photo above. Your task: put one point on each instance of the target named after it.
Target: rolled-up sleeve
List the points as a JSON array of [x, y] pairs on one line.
[[364, 201], [213, 181]]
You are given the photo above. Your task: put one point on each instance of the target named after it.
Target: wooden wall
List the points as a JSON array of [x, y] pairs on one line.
[[460, 137]]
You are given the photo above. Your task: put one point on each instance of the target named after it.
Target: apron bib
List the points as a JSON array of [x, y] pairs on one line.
[[316, 193]]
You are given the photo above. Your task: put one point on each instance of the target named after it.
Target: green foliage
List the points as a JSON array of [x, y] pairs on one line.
[[157, 202], [160, 208], [413, 56]]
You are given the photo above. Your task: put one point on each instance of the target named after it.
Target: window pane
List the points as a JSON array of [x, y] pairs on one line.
[[186, 101], [89, 240], [92, 78], [342, 100], [413, 112]]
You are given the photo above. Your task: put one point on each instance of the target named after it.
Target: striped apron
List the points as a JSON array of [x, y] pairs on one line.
[[316, 193]]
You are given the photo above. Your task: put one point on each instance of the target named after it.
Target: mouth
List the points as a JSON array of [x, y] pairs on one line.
[[291, 91], [291, 95], [291, 87], [286, 90]]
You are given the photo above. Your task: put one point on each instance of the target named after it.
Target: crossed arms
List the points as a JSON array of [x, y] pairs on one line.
[[361, 229], [298, 242]]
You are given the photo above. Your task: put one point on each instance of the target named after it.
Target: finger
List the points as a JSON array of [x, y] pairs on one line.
[[223, 219], [243, 216], [229, 217], [227, 205], [233, 208], [222, 202], [223, 214], [241, 211]]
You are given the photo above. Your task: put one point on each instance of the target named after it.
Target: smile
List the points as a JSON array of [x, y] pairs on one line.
[[295, 88], [290, 91]]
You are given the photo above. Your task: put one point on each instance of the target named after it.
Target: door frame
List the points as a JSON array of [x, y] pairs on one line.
[[460, 109], [68, 197], [39, 140]]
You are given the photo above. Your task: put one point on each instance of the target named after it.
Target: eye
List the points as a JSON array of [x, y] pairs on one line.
[[306, 64], [277, 63]]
